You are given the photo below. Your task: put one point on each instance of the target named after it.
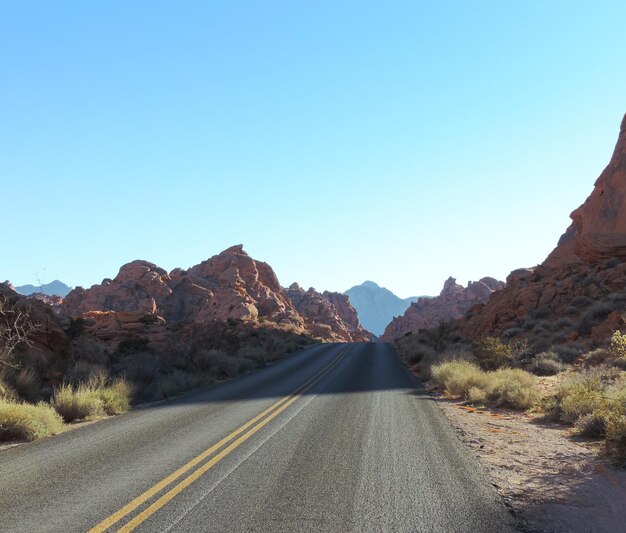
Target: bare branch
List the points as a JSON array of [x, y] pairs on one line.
[[16, 329]]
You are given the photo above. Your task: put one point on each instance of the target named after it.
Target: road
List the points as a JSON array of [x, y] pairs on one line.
[[338, 437]]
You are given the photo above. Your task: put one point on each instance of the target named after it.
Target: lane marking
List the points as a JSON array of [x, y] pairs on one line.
[[276, 407]]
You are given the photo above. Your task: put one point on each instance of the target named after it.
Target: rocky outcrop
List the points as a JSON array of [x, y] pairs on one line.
[[453, 302], [598, 228], [329, 315], [142, 298], [376, 306], [577, 294]]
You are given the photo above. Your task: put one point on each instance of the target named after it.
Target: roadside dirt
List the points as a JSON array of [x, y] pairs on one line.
[[553, 481]]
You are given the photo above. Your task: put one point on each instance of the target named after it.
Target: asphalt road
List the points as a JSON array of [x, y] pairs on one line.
[[338, 437]]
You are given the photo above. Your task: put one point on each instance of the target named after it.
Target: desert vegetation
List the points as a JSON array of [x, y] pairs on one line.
[[42, 392], [589, 392]]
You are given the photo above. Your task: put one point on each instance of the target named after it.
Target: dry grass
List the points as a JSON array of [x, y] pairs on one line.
[[23, 421], [508, 387], [92, 400]]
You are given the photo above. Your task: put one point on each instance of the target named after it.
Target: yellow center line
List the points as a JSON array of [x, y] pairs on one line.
[[145, 496]]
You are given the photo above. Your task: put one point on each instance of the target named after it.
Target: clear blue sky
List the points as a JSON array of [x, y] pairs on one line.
[[401, 142]]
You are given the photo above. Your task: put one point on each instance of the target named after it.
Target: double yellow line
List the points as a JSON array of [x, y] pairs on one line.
[[237, 438]]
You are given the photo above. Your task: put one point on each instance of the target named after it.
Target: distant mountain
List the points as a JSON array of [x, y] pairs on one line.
[[55, 287], [376, 306]]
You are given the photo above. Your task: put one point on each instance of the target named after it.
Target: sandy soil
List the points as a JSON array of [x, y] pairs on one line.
[[550, 479]]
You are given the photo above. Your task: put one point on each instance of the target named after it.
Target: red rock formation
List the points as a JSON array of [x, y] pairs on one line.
[[453, 302], [228, 286], [329, 316], [598, 228], [576, 294]]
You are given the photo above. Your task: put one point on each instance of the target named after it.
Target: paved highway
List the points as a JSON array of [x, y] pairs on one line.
[[339, 437]]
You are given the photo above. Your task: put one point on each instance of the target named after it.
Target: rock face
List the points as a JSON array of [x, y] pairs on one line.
[[453, 302], [376, 306], [577, 294], [598, 228], [329, 315], [142, 298]]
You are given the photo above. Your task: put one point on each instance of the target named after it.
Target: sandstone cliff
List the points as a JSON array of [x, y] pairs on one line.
[[577, 294], [598, 228], [453, 302]]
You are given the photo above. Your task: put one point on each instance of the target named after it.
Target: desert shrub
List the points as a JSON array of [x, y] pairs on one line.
[[564, 323], [477, 396], [24, 421], [418, 352], [568, 353], [258, 355], [588, 396], [557, 338], [508, 387], [491, 353], [77, 403], [593, 316], [89, 350], [541, 343], [83, 371], [590, 280], [115, 397], [512, 387], [27, 384], [542, 325], [611, 263], [617, 347], [616, 439], [6, 391], [456, 378], [142, 367], [581, 301], [571, 310], [593, 424], [512, 332], [220, 364], [132, 345], [546, 364], [599, 356], [173, 383], [538, 314]]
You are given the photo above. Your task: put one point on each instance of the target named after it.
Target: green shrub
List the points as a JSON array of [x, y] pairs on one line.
[[23, 421], [116, 397], [512, 387], [491, 353]]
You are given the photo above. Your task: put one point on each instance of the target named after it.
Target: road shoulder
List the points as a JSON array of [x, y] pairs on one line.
[[548, 479]]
